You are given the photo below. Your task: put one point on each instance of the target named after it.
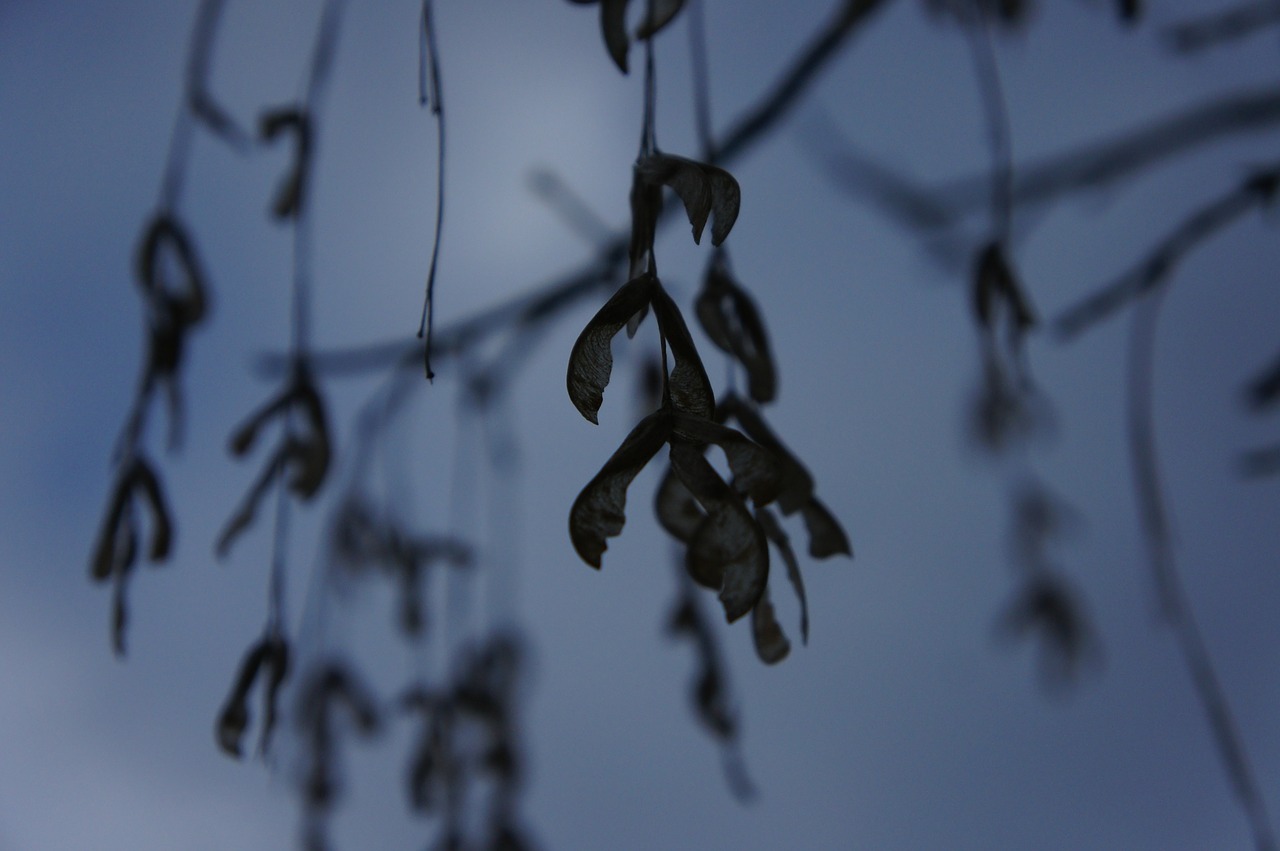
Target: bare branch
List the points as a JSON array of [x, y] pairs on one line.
[[1088, 167], [1254, 191], [1219, 28], [786, 93], [1175, 605]]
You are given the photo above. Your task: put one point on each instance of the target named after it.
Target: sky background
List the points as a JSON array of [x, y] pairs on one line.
[[905, 723]]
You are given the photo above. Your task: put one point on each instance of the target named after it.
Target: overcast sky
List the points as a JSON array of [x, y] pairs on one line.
[[905, 723]]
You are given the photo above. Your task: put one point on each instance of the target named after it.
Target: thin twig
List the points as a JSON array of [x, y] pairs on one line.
[[1254, 191], [1175, 605], [195, 102], [428, 48], [276, 609], [317, 77], [324, 50], [701, 80], [202, 32], [1079, 169], [1264, 390], [906, 201], [648, 132], [1219, 28], [555, 192], [199, 101], [801, 74], [1000, 136], [1224, 116]]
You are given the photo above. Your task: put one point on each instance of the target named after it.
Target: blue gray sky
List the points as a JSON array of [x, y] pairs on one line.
[[905, 723]]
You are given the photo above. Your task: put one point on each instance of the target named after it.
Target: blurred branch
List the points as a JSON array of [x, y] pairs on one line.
[[1262, 393], [551, 189], [902, 200], [999, 133], [1219, 28], [1257, 463], [800, 75], [933, 210], [432, 95], [1175, 604], [455, 338], [1264, 390], [1157, 141], [199, 101], [1146, 280], [1256, 190], [198, 105], [1087, 167]]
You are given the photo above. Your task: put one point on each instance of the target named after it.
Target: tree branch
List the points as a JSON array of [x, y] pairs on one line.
[[1087, 167], [1174, 602], [1254, 191], [1219, 28]]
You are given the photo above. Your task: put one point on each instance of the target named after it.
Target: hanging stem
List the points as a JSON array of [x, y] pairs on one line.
[[1174, 603], [202, 33], [279, 538], [648, 135], [701, 80], [321, 63], [428, 60], [996, 110], [175, 165]]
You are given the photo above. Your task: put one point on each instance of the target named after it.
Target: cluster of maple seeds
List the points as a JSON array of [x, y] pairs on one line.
[[725, 526]]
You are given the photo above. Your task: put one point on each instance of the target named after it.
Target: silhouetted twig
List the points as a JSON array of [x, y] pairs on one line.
[[174, 305], [200, 102], [1256, 190], [1221, 27], [800, 74], [1262, 393], [430, 93], [1225, 116], [999, 133], [1264, 390], [197, 104], [701, 81], [554, 191], [1222, 117], [1175, 605], [709, 691], [300, 463], [1257, 463]]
